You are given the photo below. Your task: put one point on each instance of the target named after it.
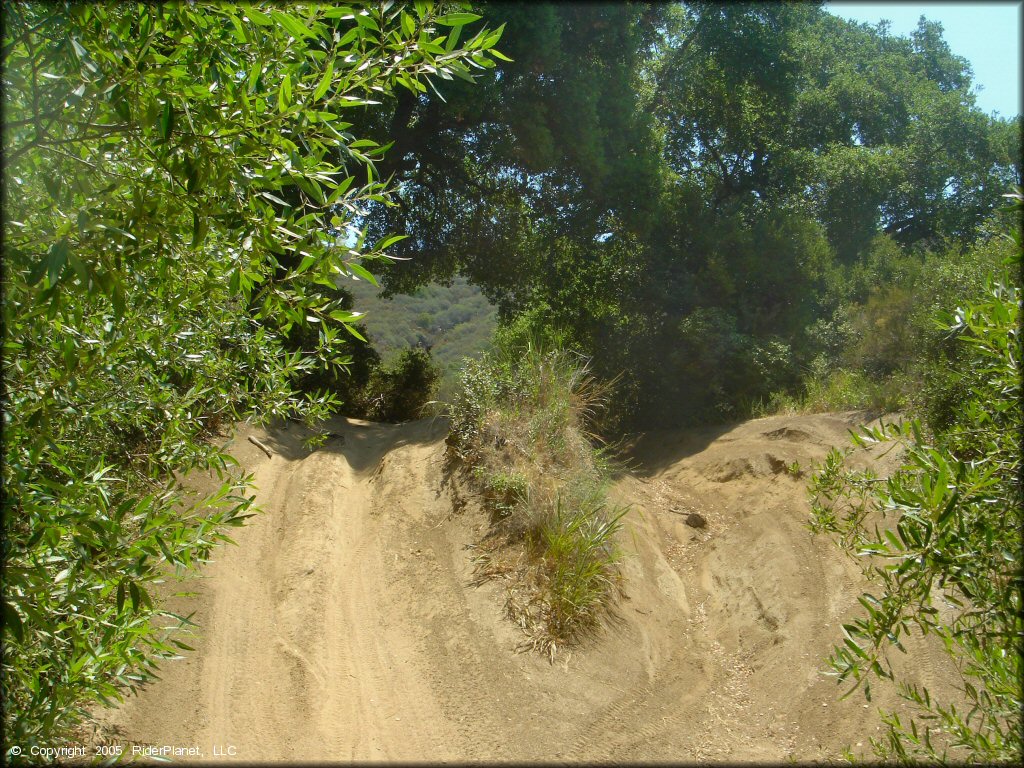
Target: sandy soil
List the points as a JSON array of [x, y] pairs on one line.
[[345, 627]]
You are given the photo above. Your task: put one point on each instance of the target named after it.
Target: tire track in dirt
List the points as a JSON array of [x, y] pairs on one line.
[[427, 598], [345, 626]]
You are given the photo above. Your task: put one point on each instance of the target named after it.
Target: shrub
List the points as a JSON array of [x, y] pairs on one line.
[[519, 420], [944, 532], [838, 389], [400, 390], [841, 389], [504, 490], [941, 358]]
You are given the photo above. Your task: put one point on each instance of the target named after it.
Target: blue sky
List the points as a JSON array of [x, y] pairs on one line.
[[987, 34]]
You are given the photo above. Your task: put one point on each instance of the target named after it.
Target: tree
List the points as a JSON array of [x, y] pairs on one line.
[[152, 269], [553, 144], [639, 172]]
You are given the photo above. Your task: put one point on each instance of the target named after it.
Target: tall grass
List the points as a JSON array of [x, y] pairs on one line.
[[579, 556], [839, 389], [519, 424]]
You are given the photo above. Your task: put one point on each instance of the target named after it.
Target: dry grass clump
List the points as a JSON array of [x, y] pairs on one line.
[[519, 424]]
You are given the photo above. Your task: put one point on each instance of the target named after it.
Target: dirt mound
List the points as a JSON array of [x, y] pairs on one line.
[[344, 626]]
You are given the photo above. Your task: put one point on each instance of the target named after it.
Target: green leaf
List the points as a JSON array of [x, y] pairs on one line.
[[353, 101], [338, 12], [388, 242], [949, 509], [79, 267], [80, 52], [164, 549], [453, 39], [325, 81], [56, 260], [133, 591], [258, 17], [422, 9], [457, 19], [274, 198], [408, 25], [364, 19], [295, 27], [307, 261], [284, 96], [343, 316], [359, 271], [355, 333], [200, 225], [167, 120], [12, 621], [493, 38], [254, 73], [36, 273]]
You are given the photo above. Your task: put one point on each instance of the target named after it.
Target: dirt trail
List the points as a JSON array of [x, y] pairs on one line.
[[344, 627]]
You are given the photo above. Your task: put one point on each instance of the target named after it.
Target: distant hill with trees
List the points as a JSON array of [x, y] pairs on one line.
[[453, 321]]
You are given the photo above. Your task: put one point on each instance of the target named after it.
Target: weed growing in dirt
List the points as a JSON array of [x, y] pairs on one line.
[[519, 423], [579, 559]]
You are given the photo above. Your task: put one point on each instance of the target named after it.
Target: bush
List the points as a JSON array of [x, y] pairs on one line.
[[400, 390], [828, 389], [882, 350], [504, 490], [943, 537], [941, 358], [520, 420]]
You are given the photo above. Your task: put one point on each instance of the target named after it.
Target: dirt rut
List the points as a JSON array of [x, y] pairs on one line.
[[345, 627]]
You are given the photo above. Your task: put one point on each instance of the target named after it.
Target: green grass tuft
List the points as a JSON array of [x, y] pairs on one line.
[[578, 556], [519, 422]]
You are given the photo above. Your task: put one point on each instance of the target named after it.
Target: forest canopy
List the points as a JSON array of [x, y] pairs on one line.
[[692, 192]]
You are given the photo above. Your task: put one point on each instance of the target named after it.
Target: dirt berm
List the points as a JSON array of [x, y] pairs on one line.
[[344, 626]]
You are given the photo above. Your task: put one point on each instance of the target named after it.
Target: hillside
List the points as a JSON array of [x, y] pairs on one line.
[[455, 321], [347, 623]]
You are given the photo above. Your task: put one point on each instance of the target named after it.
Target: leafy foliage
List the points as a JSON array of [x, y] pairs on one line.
[[401, 389], [180, 185], [940, 539], [639, 170]]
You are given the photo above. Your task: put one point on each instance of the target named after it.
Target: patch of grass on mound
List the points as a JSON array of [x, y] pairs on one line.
[[519, 425]]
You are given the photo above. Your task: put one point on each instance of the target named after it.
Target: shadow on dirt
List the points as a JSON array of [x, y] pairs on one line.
[[362, 443], [651, 452], [656, 450]]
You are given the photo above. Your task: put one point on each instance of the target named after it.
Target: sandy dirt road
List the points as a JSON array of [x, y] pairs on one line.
[[345, 625]]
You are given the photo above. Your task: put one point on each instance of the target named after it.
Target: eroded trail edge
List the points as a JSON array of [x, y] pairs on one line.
[[345, 626]]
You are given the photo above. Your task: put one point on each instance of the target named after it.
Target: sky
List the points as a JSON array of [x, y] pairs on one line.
[[987, 34]]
